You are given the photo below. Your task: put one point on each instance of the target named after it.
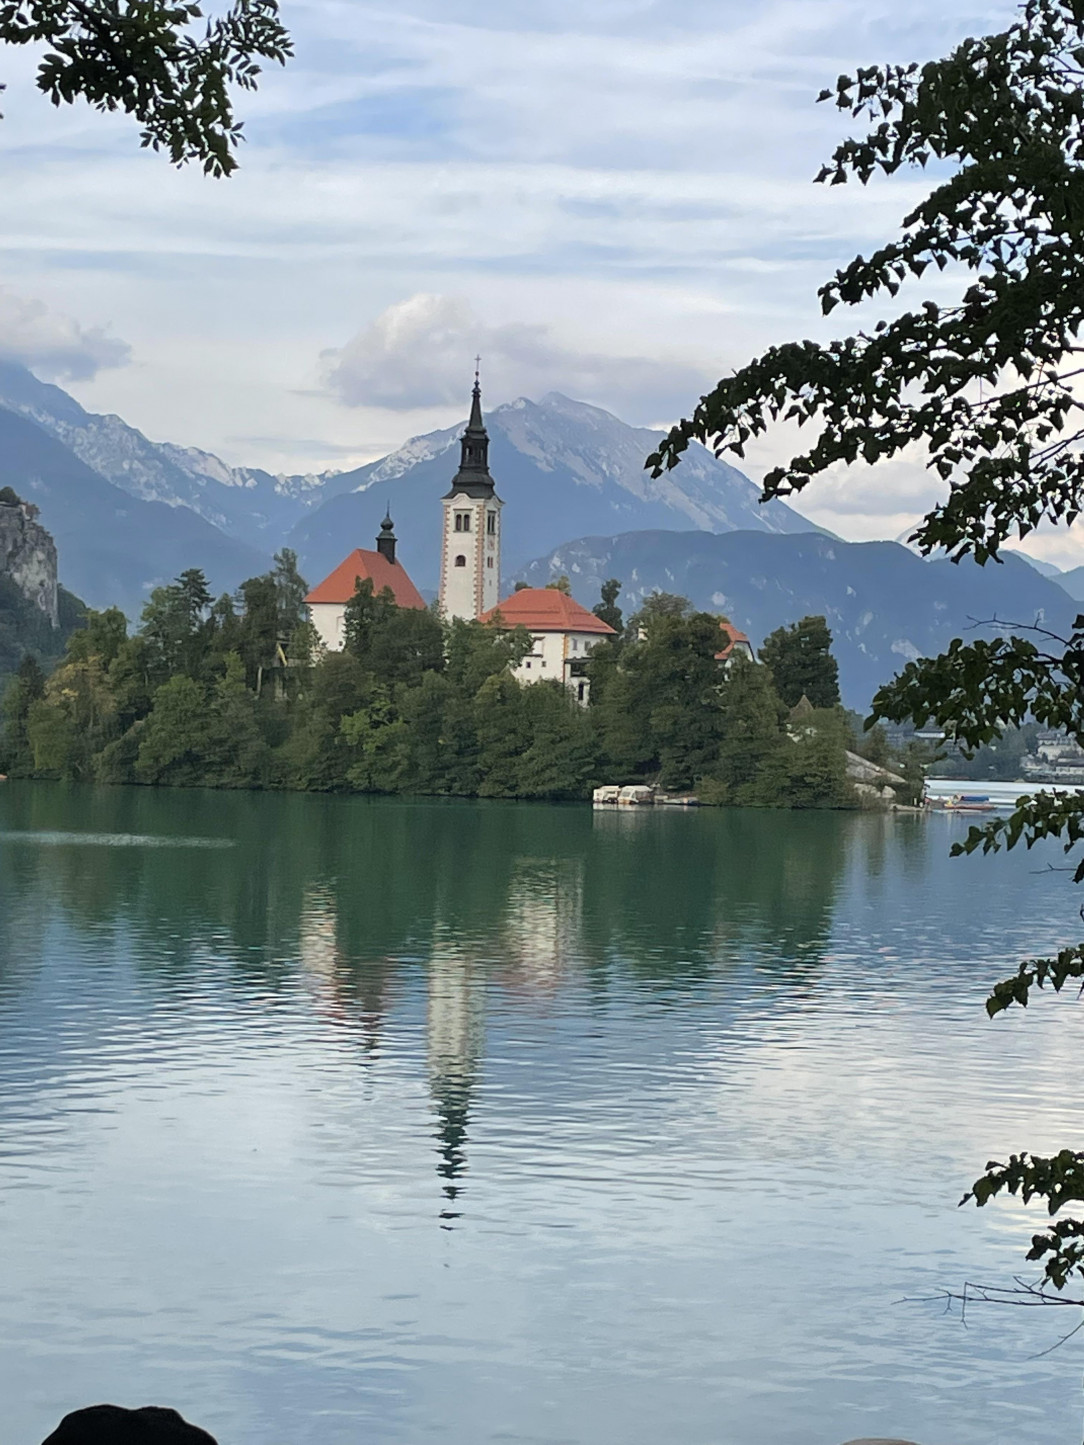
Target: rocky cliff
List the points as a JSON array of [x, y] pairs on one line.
[[28, 555]]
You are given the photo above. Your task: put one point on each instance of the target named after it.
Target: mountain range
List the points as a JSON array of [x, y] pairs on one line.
[[113, 546], [129, 513], [884, 605], [563, 467]]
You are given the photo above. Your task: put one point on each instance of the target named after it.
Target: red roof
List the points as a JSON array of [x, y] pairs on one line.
[[340, 586], [544, 609], [733, 635]]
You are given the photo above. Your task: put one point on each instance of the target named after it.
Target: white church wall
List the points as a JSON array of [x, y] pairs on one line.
[[329, 619]]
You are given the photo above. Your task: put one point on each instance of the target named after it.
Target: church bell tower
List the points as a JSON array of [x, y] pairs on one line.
[[470, 559]]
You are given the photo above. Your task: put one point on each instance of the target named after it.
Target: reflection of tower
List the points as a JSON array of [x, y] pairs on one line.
[[347, 990], [544, 919], [456, 1030]]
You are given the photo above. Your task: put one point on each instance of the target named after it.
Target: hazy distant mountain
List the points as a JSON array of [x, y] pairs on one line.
[[564, 467], [560, 466], [245, 502], [1047, 569], [884, 604], [113, 547], [1073, 582]]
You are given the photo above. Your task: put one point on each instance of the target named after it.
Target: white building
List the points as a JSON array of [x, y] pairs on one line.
[[327, 603], [562, 631], [470, 558]]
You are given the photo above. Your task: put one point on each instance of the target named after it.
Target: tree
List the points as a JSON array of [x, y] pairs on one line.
[[750, 732], [173, 624], [150, 59], [607, 609], [801, 662], [178, 735], [657, 709], [808, 770], [25, 689], [987, 388], [291, 589]]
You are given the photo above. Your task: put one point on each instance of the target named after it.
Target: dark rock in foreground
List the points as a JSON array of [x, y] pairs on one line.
[[113, 1425]]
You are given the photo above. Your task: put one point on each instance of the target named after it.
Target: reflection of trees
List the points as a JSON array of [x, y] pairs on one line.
[[677, 894], [366, 901], [539, 889]]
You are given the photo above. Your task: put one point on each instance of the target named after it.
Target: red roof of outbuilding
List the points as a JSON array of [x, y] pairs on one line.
[[545, 609], [733, 635], [340, 586]]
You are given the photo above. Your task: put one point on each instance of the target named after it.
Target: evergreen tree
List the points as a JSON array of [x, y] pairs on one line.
[[750, 733], [259, 628], [607, 609], [808, 770], [502, 727], [801, 662], [291, 589], [559, 761], [25, 689], [381, 744]]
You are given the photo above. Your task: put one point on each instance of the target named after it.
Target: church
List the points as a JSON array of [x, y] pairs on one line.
[[562, 631]]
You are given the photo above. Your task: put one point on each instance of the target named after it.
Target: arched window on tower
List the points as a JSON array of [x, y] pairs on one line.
[[461, 561]]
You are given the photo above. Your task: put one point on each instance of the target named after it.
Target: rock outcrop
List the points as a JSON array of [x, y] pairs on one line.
[[28, 554], [114, 1425]]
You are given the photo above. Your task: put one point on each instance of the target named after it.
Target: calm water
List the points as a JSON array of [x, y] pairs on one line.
[[332, 1120]]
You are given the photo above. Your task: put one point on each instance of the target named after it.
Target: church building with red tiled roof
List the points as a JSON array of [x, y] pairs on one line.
[[327, 603], [562, 631]]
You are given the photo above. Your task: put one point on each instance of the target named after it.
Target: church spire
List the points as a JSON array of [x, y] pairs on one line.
[[473, 476]]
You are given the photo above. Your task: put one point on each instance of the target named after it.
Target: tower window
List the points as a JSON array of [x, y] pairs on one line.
[[461, 561], [462, 521], [491, 523], [489, 561]]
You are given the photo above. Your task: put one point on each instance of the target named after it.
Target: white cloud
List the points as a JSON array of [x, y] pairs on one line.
[[418, 353], [53, 345]]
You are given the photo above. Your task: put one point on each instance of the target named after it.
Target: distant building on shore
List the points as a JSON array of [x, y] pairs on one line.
[[735, 644], [562, 631], [327, 603]]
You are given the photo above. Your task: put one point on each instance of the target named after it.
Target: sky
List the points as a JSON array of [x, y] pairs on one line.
[[609, 198]]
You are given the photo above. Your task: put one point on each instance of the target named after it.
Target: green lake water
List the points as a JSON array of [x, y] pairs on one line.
[[335, 1120]]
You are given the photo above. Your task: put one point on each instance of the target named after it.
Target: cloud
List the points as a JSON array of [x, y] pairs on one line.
[[419, 353], [53, 345]]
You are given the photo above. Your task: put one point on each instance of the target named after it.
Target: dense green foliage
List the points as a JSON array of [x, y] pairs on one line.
[[800, 657], [150, 59], [26, 630], [988, 389], [235, 693]]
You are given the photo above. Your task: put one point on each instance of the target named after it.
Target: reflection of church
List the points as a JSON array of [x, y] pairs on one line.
[[455, 1030], [562, 631]]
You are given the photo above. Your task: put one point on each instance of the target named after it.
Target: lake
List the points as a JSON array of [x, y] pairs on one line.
[[336, 1120]]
